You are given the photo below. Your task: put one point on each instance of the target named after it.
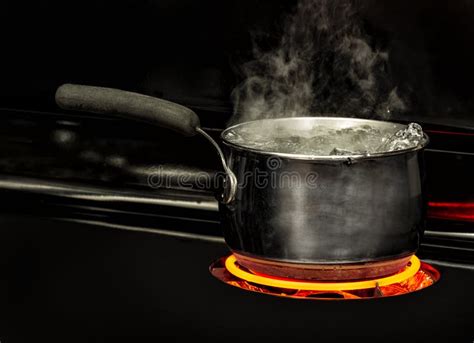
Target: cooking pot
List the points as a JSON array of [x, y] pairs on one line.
[[297, 215]]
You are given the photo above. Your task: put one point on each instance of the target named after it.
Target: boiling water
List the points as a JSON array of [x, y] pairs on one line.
[[323, 141]]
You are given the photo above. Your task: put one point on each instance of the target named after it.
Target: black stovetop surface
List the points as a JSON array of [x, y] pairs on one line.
[[74, 282]]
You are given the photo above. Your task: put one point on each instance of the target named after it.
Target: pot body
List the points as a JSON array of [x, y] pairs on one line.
[[301, 208], [324, 212]]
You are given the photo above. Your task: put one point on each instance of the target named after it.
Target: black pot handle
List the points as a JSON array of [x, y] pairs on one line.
[[145, 108], [130, 105]]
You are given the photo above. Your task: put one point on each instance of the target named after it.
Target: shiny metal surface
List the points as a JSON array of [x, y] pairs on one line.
[[326, 272], [367, 211], [230, 184], [300, 125], [104, 195], [453, 235]]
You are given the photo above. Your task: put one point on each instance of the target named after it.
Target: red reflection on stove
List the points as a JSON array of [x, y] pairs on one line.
[[462, 211], [450, 133]]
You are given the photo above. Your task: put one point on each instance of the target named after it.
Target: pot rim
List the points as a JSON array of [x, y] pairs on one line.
[[326, 158]]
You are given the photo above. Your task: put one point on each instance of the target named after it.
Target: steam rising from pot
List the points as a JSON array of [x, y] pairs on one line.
[[324, 63]]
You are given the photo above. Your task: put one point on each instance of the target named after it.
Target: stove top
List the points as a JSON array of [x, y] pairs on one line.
[[65, 281]]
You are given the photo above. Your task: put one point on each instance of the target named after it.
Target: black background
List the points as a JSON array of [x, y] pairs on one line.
[[190, 51]]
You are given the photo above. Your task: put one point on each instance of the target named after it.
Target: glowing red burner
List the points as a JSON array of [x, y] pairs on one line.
[[415, 276]]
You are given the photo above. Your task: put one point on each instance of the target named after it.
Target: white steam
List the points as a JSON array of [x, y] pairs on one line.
[[323, 64]]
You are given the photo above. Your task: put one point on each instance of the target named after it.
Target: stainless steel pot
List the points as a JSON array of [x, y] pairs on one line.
[[291, 215]]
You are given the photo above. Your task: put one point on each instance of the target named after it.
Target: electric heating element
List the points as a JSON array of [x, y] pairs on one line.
[[415, 276]]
